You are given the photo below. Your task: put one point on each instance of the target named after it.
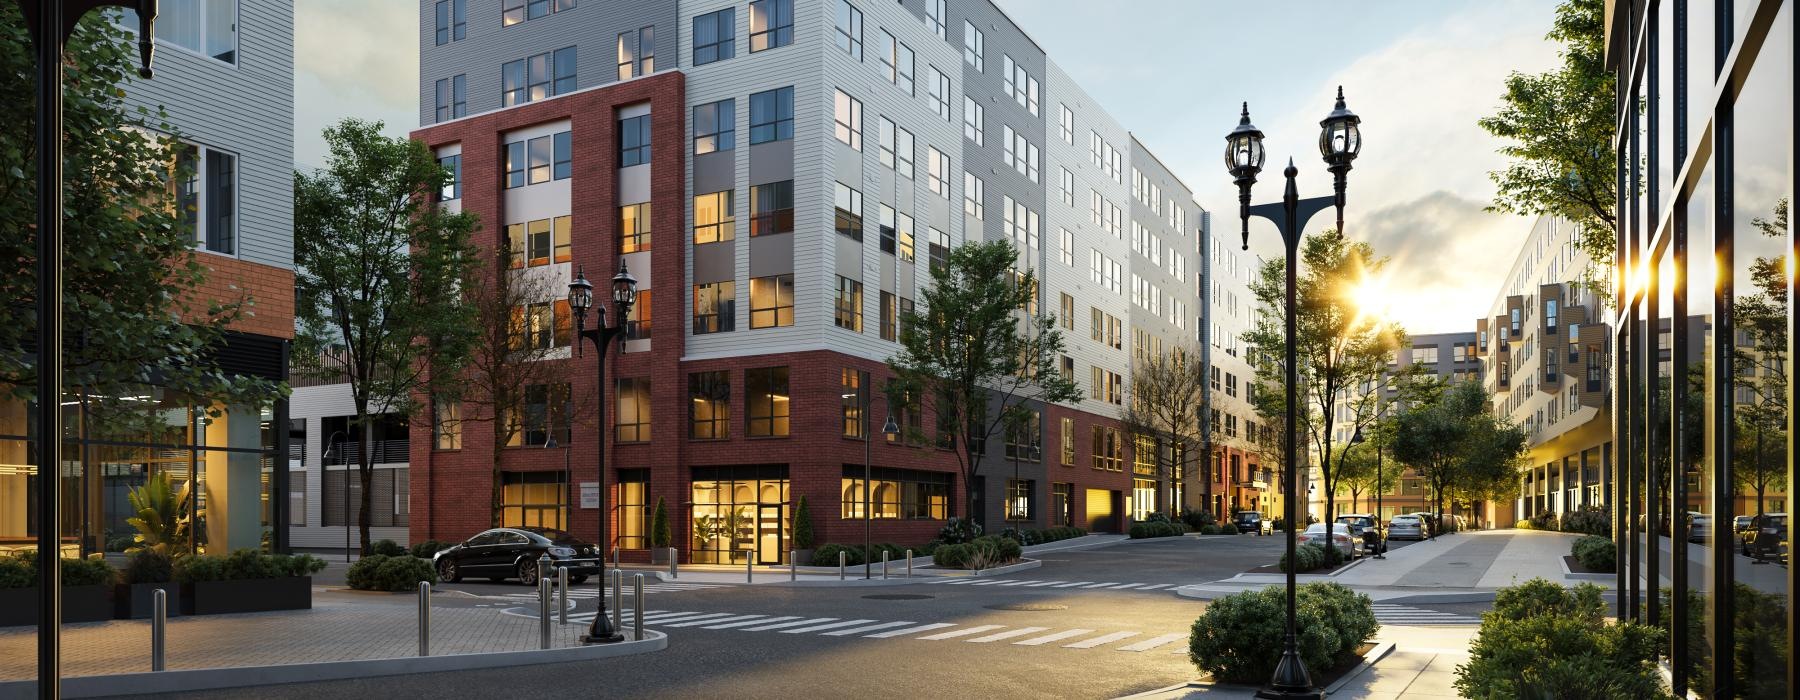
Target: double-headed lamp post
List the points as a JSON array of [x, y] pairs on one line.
[[581, 299], [1339, 142], [1380, 485], [890, 429]]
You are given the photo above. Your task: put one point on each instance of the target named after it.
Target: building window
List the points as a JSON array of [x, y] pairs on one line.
[[634, 228], [637, 53], [1016, 81], [714, 218], [540, 326], [538, 160], [934, 17], [634, 141], [541, 242], [772, 208], [637, 318], [1025, 440], [906, 62], [452, 188], [890, 316], [772, 115], [974, 192], [452, 97], [545, 412], [511, 12], [1066, 438], [715, 125], [1109, 451], [939, 248], [849, 305], [1019, 494], [446, 423], [886, 135], [565, 71], [207, 194], [847, 115], [937, 172], [1066, 249], [715, 36], [771, 24], [772, 301], [634, 512], [904, 152], [533, 499], [849, 29], [890, 55], [973, 47], [709, 405], [1066, 125], [973, 118], [886, 228], [906, 238], [537, 77], [516, 11], [714, 307], [210, 27], [766, 391], [1066, 312], [896, 494], [940, 93], [632, 419], [848, 203], [853, 383]]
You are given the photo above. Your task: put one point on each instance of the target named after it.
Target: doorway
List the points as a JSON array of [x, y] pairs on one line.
[[768, 534]]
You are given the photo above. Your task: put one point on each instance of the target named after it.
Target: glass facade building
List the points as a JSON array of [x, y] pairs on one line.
[[1705, 168]]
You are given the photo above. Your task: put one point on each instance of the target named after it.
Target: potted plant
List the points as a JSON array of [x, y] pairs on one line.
[[802, 534], [659, 534], [246, 581], [146, 572], [161, 517], [87, 586]]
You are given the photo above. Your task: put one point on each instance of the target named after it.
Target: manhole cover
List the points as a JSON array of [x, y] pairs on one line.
[[897, 596], [1028, 607]]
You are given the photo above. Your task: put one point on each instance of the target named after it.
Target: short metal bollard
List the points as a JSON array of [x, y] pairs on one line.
[[840, 565], [424, 618], [749, 569], [562, 595], [543, 572], [909, 563], [618, 597], [793, 566], [884, 563], [673, 571], [615, 557], [159, 621], [637, 589], [543, 613]]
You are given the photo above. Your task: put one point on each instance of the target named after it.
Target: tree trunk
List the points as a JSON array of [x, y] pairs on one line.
[[366, 465], [497, 494]]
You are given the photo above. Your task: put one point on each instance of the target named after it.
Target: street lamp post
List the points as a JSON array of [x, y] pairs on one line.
[[1339, 142], [888, 428], [50, 23], [581, 299]]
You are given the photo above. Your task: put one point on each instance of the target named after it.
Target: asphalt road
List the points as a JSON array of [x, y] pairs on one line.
[[1081, 626]]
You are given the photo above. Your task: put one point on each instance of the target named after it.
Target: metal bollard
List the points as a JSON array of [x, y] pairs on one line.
[[562, 595], [673, 571], [543, 571], [840, 565], [884, 563], [615, 557], [159, 620], [424, 618], [543, 613], [793, 566], [618, 597], [749, 571], [637, 589], [909, 563]]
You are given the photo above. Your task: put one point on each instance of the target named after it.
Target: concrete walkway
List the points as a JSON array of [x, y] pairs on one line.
[[1421, 666]]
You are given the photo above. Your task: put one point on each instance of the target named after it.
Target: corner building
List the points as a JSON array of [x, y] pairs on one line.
[[780, 175]]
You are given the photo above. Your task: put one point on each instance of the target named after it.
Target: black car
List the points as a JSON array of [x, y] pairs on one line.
[[512, 552], [1765, 537], [1365, 528], [1247, 521]]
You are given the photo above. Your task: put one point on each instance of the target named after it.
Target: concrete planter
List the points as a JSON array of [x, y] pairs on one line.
[[136, 601], [19, 606], [803, 557], [251, 595], [659, 556]]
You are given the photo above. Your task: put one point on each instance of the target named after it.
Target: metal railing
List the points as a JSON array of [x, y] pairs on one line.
[[383, 451]]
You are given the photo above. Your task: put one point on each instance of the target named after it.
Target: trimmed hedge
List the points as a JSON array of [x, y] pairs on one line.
[[984, 552], [1310, 556], [1151, 528], [1597, 553], [148, 566], [22, 572], [1197, 519], [1588, 521], [380, 572], [245, 564], [387, 548], [1544, 641], [827, 554], [958, 531], [425, 550], [1030, 536], [1239, 637]]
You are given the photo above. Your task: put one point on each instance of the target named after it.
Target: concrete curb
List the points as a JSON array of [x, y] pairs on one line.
[[1369, 660], [1203, 592], [1023, 565], [188, 680], [1190, 688], [1572, 576]]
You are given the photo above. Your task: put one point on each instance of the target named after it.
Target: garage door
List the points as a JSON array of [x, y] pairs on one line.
[[1100, 515]]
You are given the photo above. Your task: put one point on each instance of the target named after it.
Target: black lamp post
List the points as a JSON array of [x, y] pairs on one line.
[[581, 299], [1339, 142], [888, 428], [51, 22]]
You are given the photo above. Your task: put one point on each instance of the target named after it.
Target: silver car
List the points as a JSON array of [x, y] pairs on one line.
[[1340, 537], [1406, 527]]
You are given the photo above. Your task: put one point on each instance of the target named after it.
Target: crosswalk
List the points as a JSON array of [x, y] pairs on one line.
[[1015, 583], [587, 592], [1393, 614], [1136, 641]]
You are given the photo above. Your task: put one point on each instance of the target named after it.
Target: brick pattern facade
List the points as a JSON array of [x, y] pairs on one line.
[[267, 290]]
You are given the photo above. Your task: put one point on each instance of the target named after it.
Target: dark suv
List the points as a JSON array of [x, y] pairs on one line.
[[1248, 521], [1365, 528], [1765, 537]]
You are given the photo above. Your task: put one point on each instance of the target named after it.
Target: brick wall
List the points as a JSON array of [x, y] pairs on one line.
[[268, 290]]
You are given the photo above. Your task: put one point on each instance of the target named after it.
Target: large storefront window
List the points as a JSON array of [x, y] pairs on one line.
[[1143, 498], [634, 513], [740, 512], [899, 493], [534, 499]]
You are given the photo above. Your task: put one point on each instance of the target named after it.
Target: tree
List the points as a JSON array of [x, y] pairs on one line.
[[1560, 124], [978, 352], [133, 310], [1168, 405], [1343, 353], [1455, 441], [377, 264], [1760, 369], [802, 536]]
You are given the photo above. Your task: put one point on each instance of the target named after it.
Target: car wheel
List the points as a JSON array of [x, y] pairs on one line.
[[447, 570], [528, 572]]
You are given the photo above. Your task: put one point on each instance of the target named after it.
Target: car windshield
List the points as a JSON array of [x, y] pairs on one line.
[[1406, 520], [555, 536]]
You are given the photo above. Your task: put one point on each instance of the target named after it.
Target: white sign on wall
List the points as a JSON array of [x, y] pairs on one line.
[[590, 494]]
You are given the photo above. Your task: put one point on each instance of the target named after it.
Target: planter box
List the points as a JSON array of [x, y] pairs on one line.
[[659, 556], [137, 601], [19, 606], [803, 557], [252, 595]]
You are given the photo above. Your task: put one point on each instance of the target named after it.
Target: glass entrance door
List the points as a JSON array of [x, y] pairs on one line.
[[768, 535]]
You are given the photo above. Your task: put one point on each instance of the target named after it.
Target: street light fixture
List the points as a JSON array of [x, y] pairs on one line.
[[890, 429], [1339, 143], [581, 299]]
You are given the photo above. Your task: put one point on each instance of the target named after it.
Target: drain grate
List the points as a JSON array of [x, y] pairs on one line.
[[898, 596], [1028, 607]]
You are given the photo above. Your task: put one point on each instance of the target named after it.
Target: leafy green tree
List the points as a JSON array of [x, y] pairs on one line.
[[133, 309], [1759, 459], [1343, 352], [1560, 125], [1456, 443], [978, 352], [377, 269]]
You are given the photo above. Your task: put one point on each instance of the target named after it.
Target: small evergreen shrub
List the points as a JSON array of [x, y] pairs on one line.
[[803, 525], [660, 535], [398, 574], [17, 573], [959, 531], [1596, 553], [1544, 641], [1197, 519], [951, 556], [387, 548], [1588, 521], [149, 566], [1309, 556], [1157, 518], [245, 564], [428, 548], [1239, 637], [827, 555], [88, 572]]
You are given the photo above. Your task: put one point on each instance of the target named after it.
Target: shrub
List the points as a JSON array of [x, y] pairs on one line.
[[803, 526], [1310, 556], [1588, 521], [361, 575], [1543, 521], [149, 566], [245, 564], [425, 550], [17, 573], [1209, 529], [1157, 518], [387, 548], [299, 564], [1014, 534], [380, 572], [1542, 640], [951, 556], [1239, 637], [1197, 519], [959, 531], [93, 571], [659, 526], [1138, 531], [200, 568], [827, 555], [1597, 553]]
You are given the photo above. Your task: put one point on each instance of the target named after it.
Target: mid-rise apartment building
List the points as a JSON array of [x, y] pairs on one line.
[[780, 176], [1237, 438], [224, 77]]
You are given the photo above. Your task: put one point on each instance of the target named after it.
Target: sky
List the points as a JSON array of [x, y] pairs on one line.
[[1418, 72]]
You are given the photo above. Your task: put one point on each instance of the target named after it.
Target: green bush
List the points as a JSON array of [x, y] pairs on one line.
[[149, 566], [1239, 637], [827, 555], [1197, 519], [951, 556], [379, 572], [1310, 556], [361, 575], [1588, 521], [1544, 641], [245, 564], [660, 535], [425, 550], [88, 572], [1157, 518], [387, 548], [17, 573], [803, 526], [1138, 531], [1541, 521], [959, 531], [1597, 553]]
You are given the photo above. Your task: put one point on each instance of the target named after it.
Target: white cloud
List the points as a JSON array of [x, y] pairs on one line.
[[366, 66]]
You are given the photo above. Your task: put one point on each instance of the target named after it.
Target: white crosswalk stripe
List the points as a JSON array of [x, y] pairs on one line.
[[1153, 642], [1071, 585], [910, 630], [952, 634], [1029, 636], [1102, 639], [763, 621], [586, 592], [1155, 586], [1009, 634], [1048, 638], [1030, 583], [694, 623], [763, 628], [826, 626], [1395, 614], [867, 628]]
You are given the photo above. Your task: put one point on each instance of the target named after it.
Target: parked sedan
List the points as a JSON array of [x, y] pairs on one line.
[[1766, 537], [513, 552], [1365, 528], [1700, 527], [1407, 527], [1249, 521], [1340, 537]]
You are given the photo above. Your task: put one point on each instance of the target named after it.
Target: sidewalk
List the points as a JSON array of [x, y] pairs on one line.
[[1464, 567], [1421, 666], [923, 567]]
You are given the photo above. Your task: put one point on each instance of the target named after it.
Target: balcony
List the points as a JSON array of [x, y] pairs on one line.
[[384, 452]]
